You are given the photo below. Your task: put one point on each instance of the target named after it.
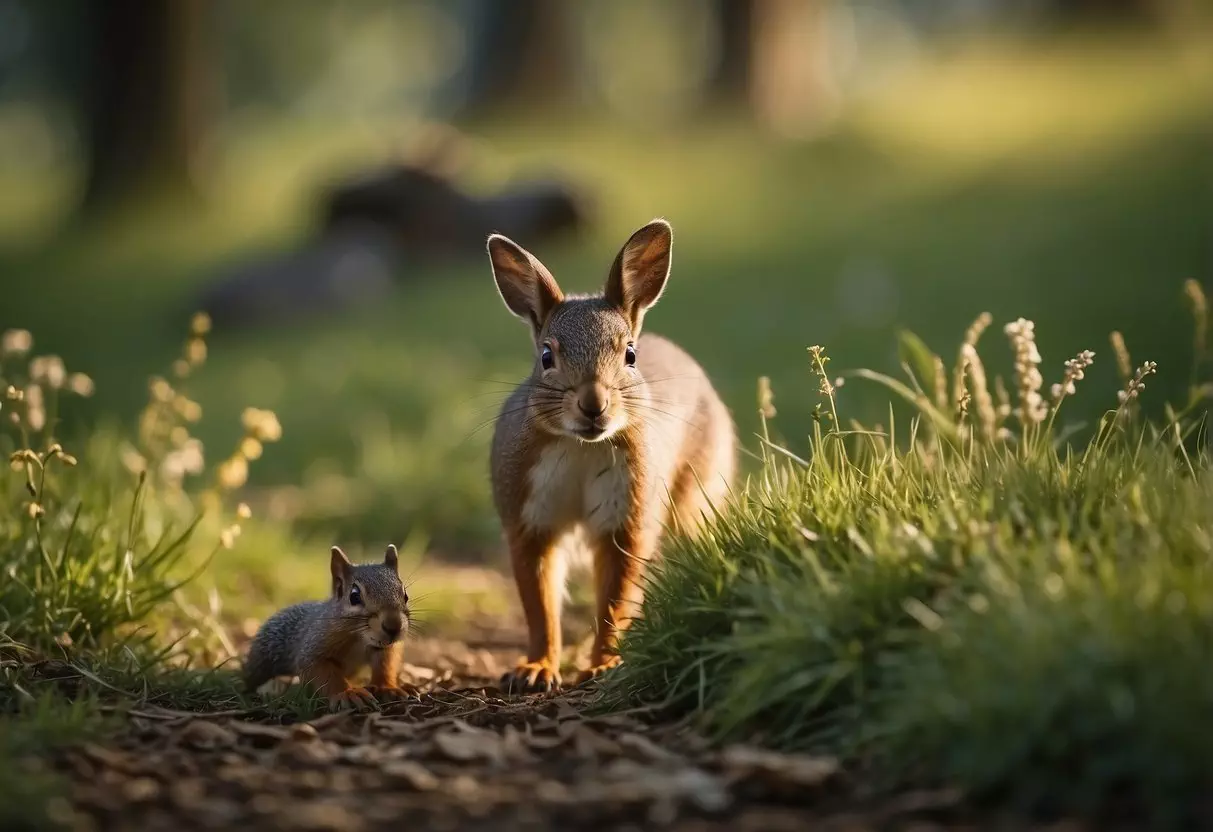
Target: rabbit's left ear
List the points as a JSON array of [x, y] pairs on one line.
[[390, 557], [640, 271]]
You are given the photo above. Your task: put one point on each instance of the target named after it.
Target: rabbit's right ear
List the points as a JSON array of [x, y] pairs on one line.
[[525, 284]]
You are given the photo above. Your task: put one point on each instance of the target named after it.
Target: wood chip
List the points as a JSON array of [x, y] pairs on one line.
[[205, 735], [415, 775]]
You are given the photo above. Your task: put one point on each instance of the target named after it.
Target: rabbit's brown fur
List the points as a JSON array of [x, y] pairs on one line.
[[614, 434]]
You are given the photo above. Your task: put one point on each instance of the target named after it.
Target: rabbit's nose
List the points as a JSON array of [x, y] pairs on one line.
[[592, 401]]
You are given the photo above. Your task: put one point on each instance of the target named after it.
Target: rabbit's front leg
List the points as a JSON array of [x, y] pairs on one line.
[[538, 574], [620, 559]]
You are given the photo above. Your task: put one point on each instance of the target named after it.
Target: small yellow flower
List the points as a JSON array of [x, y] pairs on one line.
[[16, 342], [192, 458], [13, 394], [178, 436], [181, 368], [69, 460], [243, 511], [226, 538], [18, 460], [34, 510], [1124, 362], [161, 390], [190, 410], [36, 416], [201, 324], [48, 369], [233, 473], [766, 398], [81, 385], [261, 424], [250, 418], [195, 351], [250, 448], [271, 428], [133, 460]]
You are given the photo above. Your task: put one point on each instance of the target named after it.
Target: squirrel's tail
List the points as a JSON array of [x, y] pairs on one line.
[[258, 668]]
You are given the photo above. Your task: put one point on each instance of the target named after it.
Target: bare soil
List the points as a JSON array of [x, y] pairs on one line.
[[465, 756]]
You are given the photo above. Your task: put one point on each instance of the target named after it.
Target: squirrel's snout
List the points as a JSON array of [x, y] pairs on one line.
[[391, 626], [592, 400]]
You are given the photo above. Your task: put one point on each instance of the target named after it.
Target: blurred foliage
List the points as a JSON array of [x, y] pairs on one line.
[[1065, 178]]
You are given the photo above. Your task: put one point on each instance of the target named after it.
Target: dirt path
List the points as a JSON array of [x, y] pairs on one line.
[[462, 758]]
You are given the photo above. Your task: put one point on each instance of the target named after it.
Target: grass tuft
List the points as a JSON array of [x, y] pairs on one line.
[[984, 603], [93, 544]]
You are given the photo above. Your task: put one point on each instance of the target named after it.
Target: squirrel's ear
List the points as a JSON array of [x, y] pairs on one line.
[[341, 567], [525, 284], [640, 271], [390, 557]]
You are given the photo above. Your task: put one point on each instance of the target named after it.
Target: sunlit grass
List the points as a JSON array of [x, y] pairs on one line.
[[984, 603]]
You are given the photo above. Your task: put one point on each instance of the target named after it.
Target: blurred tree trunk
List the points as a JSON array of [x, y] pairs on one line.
[[731, 80], [792, 86], [151, 80], [521, 55], [1129, 10]]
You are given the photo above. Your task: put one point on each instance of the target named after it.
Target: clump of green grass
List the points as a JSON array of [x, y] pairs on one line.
[[91, 545], [985, 603]]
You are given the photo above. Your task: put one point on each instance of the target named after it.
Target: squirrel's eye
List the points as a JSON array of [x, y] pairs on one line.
[[355, 597], [546, 358], [629, 355]]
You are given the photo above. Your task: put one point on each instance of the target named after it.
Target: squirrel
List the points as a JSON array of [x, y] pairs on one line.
[[325, 643], [613, 436]]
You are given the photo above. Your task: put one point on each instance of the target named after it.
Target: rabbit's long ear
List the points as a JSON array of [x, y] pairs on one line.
[[640, 271], [525, 284]]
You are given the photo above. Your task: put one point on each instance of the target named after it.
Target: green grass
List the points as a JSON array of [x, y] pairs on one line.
[[996, 609], [1071, 201]]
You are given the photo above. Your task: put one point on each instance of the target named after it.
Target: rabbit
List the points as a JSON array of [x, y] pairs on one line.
[[614, 438]]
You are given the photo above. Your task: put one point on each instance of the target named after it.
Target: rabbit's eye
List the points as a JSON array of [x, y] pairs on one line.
[[629, 355], [546, 359], [355, 597]]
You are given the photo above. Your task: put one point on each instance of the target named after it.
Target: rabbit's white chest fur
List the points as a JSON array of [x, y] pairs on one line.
[[579, 483]]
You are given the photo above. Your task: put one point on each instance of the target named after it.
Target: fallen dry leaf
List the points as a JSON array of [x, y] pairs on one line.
[[417, 776], [305, 732], [782, 772], [467, 744], [645, 748], [206, 736]]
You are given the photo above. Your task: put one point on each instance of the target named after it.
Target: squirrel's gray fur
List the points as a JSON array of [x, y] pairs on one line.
[[301, 635]]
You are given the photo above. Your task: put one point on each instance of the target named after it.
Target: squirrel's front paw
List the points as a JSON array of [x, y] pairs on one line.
[[531, 677], [353, 698], [393, 693], [597, 670]]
